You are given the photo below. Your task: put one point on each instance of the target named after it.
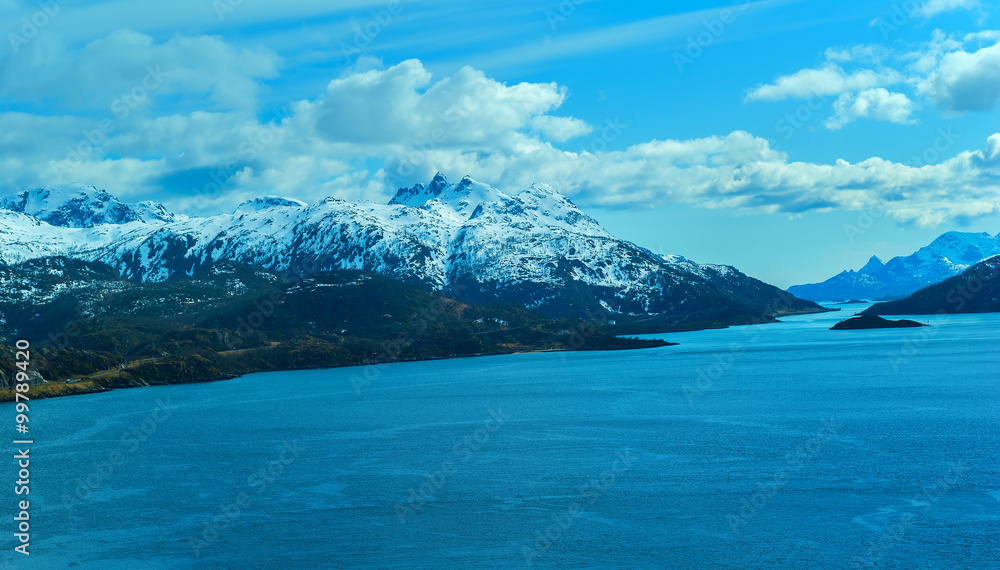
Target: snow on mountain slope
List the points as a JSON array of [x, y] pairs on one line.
[[42, 280], [402, 242], [24, 237], [80, 206], [418, 193], [949, 254], [265, 202], [535, 248], [975, 290]]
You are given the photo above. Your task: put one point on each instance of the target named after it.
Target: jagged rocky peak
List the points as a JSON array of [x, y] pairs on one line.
[[82, 206], [418, 193], [874, 264], [534, 248], [949, 254], [265, 202], [462, 198]]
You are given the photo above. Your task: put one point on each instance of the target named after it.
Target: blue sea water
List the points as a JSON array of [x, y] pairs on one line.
[[775, 446]]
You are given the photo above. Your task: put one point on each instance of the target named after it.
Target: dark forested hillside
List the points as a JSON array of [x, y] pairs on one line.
[[976, 290], [88, 325]]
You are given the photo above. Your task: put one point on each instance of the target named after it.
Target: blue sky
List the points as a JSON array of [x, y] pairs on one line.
[[791, 139]]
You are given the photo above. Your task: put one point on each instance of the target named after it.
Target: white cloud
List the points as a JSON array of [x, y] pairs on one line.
[[925, 56], [877, 103], [992, 154], [373, 130], [868, 53], [984, 36], [560, 129], [964, 81], [400, 105], [830, 79], [130, 66], [943, 70], [932, 8]]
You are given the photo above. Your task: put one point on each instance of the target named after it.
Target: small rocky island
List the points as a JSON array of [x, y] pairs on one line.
[[873, 322]]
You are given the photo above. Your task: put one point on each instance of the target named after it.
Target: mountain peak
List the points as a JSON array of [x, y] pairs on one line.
[[541, 193], [438, 184], [461, 198], [81, 206], [535, 249], [418, 193], [265, 202], [962, 248], [949, 254], [874, 264]]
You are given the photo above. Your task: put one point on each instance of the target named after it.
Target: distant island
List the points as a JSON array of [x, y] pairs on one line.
[[873, 322], [852, 302]]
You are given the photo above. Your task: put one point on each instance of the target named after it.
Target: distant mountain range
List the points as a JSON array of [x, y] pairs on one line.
[[975, 290], [465, 239], [948, 255]]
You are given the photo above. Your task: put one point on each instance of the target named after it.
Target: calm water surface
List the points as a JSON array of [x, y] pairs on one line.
[[781, 445]]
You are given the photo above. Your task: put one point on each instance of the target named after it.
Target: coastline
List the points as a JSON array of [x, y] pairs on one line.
[[88, 384]]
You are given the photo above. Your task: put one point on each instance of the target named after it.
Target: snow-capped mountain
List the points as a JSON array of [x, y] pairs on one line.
[[265, 202], [81, 206], [975, 290], [535, 248], [948, 255]]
